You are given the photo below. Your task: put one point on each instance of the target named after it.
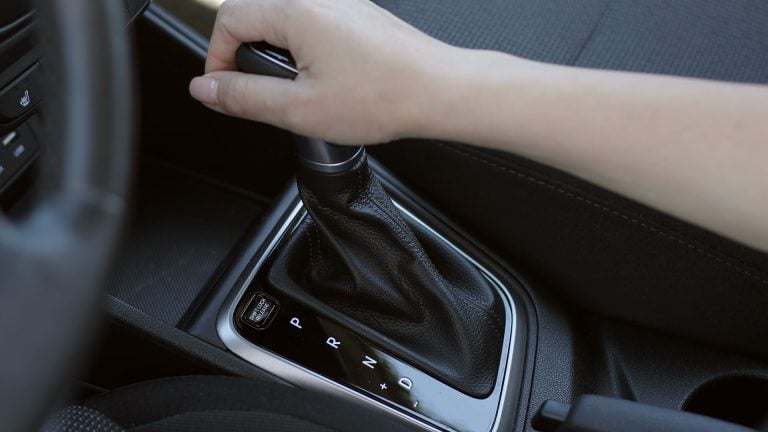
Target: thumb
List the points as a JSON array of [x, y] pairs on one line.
[[253, 97]]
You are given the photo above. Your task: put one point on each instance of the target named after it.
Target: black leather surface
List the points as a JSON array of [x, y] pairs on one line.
[[397, 284], [592, 248]]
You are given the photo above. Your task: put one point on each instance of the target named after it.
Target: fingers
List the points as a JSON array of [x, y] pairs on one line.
[[241, 21], [259, 98]]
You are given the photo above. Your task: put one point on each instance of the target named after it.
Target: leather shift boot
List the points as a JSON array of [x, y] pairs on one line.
[[356, 259]]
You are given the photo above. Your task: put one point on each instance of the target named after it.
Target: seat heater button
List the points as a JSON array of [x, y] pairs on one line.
[[260, 311], [20, 96]]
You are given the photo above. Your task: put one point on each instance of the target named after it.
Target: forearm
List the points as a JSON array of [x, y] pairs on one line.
[[693, 148]]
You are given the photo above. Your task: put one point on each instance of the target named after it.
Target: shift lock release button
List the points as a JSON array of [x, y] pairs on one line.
[[260, 311]]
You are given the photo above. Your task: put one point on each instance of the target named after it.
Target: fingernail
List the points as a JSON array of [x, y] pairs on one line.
[[205, 89]]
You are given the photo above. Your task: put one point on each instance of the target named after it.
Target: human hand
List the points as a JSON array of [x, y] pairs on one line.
[[365, 76]]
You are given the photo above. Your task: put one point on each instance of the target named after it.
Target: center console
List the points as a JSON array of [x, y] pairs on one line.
[[355, 293], [278, 334]]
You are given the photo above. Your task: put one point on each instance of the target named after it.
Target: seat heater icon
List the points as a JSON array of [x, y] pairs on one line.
[[26, 99]]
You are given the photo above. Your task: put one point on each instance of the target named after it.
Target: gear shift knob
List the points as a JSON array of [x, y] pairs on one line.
[[261, 58]]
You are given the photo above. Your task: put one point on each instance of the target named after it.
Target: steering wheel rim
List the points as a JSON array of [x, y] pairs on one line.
[[53, 261]]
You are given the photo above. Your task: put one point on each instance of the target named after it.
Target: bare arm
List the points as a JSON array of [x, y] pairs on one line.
[[693, 148]]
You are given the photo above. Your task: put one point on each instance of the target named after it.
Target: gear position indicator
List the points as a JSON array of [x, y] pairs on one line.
[[322, 346]]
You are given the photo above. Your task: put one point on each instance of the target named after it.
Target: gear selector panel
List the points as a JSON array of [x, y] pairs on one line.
[[336, 353], [357, 295], [281, 335]]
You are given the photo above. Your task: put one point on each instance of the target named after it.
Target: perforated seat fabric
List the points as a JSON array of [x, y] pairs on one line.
[[700, 38], [84, 419], [220, 404], [81, 419]]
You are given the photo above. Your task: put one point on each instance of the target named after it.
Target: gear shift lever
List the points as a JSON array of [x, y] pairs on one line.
[[260, 58], [358, 261]]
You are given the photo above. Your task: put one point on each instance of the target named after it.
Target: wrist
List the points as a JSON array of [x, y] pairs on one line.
[[432, 91], [467, 94]]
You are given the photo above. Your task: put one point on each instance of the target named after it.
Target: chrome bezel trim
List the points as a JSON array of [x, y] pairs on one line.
[[334, 168], [306, 378]]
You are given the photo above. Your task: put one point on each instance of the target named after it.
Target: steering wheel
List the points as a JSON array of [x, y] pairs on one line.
[[52, 262]]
